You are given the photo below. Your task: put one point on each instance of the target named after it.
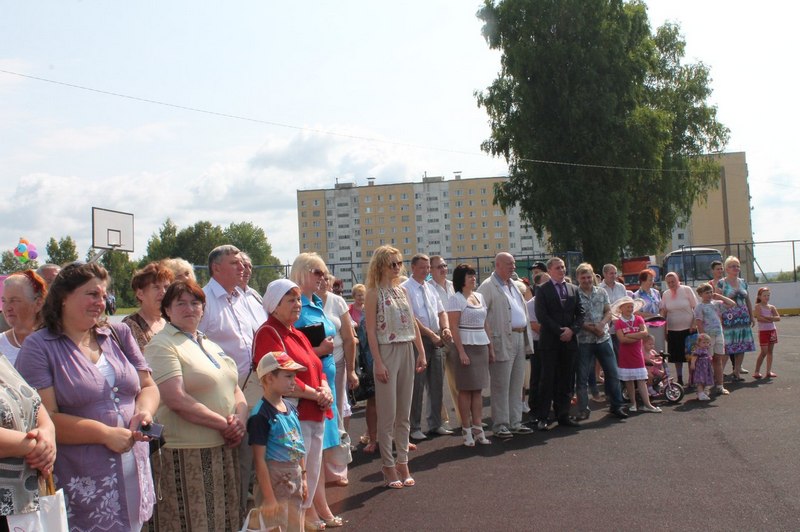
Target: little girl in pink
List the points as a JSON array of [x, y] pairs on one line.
[[766, 315], [630, 330]]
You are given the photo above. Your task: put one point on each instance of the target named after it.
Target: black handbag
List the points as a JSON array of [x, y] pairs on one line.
[[363, 369]]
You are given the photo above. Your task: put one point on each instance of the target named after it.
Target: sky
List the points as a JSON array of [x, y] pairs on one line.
[[299, 94]]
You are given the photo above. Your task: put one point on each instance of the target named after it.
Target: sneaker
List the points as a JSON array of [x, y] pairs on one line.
[[722, 390], [503, 433], [703, 397], [583, 415], [442, 431], [521, 429], [744, 371], [654, 409], [417, 435]]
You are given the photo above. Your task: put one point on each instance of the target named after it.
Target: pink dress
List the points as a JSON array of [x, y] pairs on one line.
[[631, 356]]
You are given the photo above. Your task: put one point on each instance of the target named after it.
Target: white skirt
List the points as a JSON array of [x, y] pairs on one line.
[[632, 374]]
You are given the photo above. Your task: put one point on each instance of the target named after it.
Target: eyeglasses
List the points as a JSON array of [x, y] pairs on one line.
[[318, 273], [442, 266], [397, 265]]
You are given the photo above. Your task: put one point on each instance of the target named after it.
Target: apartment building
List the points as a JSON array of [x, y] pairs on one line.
[[455, 218]]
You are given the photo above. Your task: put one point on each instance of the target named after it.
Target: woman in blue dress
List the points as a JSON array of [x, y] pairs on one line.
[[737, 322]]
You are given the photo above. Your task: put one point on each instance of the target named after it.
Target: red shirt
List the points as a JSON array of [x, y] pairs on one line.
[[299, 348]]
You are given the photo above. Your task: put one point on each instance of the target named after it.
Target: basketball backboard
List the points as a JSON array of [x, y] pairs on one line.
[[112, 230]]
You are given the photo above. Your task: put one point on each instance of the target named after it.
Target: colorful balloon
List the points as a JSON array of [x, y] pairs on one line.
[[25, 251]]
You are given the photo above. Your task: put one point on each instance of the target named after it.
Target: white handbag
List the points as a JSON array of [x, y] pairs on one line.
[[51, 515], [250, 526]]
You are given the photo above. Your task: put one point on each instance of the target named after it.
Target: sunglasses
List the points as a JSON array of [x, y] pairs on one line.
[[396, 264], [318, 273], [442, 266]]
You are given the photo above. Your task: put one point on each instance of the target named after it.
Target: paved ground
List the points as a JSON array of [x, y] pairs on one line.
[[732, 464]]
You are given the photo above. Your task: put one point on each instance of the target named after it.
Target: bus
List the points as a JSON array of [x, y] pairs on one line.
[[693, 265]]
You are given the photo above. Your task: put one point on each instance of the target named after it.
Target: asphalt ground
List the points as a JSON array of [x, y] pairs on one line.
[[730, 464]]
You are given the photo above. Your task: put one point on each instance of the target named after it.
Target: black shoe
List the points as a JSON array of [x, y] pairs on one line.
[[541, 425], [583, 415], [619, 412], [567, 422]]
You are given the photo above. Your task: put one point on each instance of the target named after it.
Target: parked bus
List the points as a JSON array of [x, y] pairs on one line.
[[693, 265]]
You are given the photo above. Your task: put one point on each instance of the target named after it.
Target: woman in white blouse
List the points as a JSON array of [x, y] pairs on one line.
[[472, 352]]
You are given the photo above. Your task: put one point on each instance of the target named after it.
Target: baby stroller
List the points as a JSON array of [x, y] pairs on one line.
[[663, 384]]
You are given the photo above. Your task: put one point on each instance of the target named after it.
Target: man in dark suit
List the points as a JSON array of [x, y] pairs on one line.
[[560, 314]]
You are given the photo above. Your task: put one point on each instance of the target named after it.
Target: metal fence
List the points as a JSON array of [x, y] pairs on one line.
[[768, 261]]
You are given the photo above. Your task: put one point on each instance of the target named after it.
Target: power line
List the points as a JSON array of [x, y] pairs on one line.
[[323, 131]]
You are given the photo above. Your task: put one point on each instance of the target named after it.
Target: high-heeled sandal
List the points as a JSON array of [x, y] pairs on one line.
[[391, 483], [466, 433], [408, 480], [370, 447], [479, 435]]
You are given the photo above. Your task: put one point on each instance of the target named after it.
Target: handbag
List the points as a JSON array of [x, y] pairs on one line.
[[51, 515], [341, 454], [689, 345], [250, 525], [315, 333], [363, 369]]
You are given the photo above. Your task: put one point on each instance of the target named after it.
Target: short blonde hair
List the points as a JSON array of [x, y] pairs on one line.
[[582, 268], [730, 260], [359, 288], [303, 264], [180, 266], [381, 258]]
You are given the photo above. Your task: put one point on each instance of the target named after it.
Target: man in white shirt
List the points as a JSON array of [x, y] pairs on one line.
[[435, 331], [613, 288], [444, 289], [511, 329], [231, 323]]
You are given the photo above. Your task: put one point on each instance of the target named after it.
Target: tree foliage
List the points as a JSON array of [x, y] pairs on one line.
[[9, 263], [194, 243], [62, 251], [601, 123]]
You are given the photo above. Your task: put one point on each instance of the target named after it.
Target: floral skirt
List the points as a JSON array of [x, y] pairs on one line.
[[199, 489]]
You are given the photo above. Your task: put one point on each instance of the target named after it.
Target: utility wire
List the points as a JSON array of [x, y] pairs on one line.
[[323, 131]]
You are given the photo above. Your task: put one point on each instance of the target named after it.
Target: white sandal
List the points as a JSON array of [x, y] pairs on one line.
[[479, 435]]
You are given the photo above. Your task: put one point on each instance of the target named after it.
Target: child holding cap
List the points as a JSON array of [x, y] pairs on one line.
[[277, 442]]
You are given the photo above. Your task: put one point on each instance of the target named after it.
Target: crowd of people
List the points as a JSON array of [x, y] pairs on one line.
[[206, 398]]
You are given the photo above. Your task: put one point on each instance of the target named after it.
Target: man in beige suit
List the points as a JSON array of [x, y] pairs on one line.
[[508, 319]]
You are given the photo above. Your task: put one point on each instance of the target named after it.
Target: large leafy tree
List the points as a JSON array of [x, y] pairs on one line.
[[10, 263], [600, 122], [62, 251], [193, 243]]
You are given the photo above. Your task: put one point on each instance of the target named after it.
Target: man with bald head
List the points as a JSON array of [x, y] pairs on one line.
[[510, 330]]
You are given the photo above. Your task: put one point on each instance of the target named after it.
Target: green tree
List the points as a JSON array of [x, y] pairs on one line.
[[195, 242], [9, 263], [62, 251], [586, 86], [121, 269], [163, 244], [251, 239]]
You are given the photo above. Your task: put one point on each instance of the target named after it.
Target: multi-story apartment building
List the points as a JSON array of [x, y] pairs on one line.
[[455, 218]]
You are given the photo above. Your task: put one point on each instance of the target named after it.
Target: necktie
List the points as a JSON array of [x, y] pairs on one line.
[[432, 321]]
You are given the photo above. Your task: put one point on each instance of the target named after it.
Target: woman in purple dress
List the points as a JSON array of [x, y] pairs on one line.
[[96, 385]]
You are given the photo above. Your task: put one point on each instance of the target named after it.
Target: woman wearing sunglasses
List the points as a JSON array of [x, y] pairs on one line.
[[392, 334]]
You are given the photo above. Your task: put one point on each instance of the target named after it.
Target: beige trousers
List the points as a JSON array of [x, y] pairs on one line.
[[393, 401]]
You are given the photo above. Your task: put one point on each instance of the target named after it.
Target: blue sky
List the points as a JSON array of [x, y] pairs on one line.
[[394, 80]]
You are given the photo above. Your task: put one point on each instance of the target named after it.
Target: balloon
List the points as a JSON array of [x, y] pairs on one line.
[[25, 251]]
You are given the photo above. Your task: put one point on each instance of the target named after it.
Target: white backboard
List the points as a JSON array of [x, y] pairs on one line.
[[112, 230]]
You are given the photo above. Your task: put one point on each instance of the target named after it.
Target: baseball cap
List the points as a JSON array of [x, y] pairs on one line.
[[277, 360]]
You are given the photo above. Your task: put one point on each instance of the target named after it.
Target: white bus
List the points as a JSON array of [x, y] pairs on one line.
[[693, 265]]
